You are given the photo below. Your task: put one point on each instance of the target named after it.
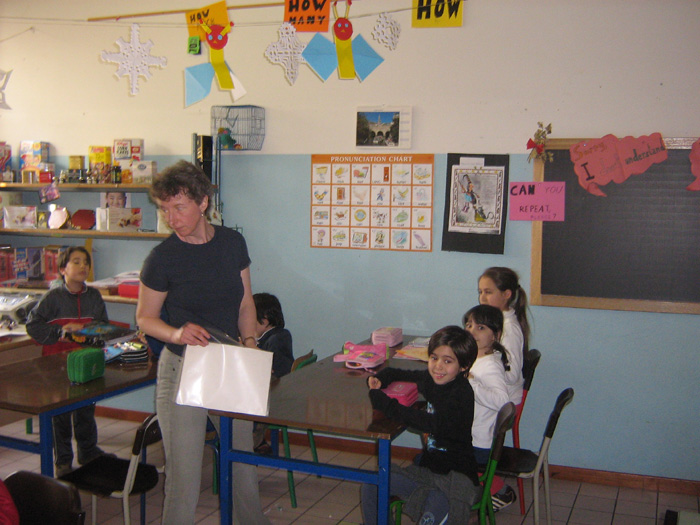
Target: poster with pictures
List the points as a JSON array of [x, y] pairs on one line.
[[372, 202], [476, 204], [476, 201]]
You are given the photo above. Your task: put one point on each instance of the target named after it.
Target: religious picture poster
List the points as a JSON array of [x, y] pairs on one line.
[[372, 202], [383, 127], [476, 200]]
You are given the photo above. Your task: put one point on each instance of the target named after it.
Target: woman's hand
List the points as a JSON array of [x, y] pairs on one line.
[[374, 383], [191, 334]]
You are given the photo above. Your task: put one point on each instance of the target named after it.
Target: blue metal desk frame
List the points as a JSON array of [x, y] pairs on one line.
[[227, 455], [44, 447]]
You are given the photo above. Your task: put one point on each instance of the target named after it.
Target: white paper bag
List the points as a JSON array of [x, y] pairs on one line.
[[226, 377]]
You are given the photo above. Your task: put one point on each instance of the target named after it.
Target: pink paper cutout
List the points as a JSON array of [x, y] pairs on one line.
[[537, 201], [598, 162], [695, 166]]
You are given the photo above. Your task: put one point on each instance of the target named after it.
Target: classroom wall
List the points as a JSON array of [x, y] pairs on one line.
[[589, 68]]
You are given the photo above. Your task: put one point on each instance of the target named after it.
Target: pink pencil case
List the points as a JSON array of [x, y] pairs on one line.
[[405, 393]]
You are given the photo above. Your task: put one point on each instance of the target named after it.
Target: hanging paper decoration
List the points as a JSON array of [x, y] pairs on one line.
[[212, 25], [387, 31], [4, 79], [695, 166], [287, 51], [609, 159], [352, 58], [537, 146], [134, 59]]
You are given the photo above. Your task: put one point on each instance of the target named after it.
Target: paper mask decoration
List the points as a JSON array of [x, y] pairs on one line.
[[4, 79], [537, 146], [352, 58], [287, 51], [211, 24], [599, 161], [134, 59], [695, 166], [387, 31]]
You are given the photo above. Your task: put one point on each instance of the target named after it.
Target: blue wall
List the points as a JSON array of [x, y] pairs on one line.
[[635, 374]]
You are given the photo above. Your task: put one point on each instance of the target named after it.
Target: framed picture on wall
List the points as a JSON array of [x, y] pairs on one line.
[[383, 127]]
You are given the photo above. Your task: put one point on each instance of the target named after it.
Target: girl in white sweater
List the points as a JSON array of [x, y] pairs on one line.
[[499, 287], [488, 379]]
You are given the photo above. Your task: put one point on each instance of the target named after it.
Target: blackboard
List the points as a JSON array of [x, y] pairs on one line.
[[636, 249]]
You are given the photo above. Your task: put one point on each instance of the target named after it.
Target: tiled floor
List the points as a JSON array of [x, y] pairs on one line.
[[328, 501]]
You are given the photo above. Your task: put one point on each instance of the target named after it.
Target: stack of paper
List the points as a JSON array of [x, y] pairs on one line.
[[416, 349], [388, 334]]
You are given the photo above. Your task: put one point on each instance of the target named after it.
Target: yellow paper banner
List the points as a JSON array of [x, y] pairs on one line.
[[437, 13]]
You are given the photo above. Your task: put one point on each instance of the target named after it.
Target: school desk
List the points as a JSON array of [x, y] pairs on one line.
[[40, 386], [324, 397]]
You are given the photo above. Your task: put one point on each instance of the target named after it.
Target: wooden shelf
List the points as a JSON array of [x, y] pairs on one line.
[[107, 298], [77, 187], [45, 232]]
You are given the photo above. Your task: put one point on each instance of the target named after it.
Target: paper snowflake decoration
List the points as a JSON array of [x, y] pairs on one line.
[[4, 79], [134, 59], [386, 31], [287, 51]]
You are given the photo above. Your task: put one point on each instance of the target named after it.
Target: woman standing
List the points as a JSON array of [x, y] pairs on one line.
[[201, 275]]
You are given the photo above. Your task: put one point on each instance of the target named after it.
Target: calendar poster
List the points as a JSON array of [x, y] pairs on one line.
[[372, 202]]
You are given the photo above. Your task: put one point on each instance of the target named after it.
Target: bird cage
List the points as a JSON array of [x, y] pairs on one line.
[[238, 127]]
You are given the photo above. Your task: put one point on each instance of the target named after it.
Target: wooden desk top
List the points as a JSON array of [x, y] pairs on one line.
[[329, 397], [42, 384]]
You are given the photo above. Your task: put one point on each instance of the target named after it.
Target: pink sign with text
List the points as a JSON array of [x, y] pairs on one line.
[[537, 201]]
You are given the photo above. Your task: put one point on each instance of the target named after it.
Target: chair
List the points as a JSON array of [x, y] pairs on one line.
[[41, 499], [504, 422], [527, 464], [118, 478], [299, 362], [532, 359]]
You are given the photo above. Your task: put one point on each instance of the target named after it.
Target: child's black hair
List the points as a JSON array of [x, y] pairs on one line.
[[65, 256], [492, 318], [268, 307], [459, 340]]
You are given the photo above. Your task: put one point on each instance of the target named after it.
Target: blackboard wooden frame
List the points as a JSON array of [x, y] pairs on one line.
[[537, 297]]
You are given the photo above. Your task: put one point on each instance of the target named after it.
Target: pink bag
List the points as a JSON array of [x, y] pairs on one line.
[[362, 356]]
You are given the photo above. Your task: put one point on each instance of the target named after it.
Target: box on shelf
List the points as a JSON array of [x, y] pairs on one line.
[[28, 263], [76, 162], [47, 172], [7, 255], [143, 171], [118, 219], [5, 157], [19, 216], [32, 153], [129, 289], [127, 166], [9, 198], [100, 163], [127, 149], [51, 254]]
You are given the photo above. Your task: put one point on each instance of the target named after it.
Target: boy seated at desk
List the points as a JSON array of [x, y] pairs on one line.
[[272, 336]]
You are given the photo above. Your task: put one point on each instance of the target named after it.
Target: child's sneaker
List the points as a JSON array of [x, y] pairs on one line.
[[63, 469], [503, 499]]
